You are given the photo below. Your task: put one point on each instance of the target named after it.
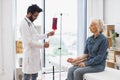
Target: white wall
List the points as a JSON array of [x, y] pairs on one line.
[[0, 38], [94, 10], [6, 40], [112, 11]]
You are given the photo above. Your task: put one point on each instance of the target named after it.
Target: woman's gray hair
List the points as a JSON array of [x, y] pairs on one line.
[[99, 23]]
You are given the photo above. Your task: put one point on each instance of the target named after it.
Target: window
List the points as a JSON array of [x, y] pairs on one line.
[[68, 22]]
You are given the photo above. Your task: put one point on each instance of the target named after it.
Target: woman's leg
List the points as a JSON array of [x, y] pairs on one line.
[[79, 72], [71, 70]]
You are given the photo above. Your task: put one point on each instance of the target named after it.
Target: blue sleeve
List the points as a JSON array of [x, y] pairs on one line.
[[101, 54], [86, 49]]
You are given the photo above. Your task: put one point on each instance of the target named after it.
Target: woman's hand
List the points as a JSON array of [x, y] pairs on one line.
[[82, 64], [71, 60]]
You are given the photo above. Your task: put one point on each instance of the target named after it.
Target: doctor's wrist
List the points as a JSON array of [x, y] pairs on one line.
[[47, 35]]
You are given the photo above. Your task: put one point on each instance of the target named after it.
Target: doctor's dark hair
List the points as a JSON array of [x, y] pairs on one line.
[[34, 8]]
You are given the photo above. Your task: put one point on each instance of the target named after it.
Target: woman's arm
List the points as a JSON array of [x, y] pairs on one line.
[[78, 59], [101, 54], [84, 56]]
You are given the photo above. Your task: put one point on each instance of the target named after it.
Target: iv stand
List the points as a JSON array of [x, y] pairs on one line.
[[60, 48]]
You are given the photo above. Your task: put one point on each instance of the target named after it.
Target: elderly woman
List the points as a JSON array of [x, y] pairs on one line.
[[95, 52]]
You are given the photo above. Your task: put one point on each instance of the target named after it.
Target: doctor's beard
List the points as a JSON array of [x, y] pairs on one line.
[[31, 19]]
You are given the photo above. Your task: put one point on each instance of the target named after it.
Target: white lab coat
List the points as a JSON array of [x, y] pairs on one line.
[[31, 47]]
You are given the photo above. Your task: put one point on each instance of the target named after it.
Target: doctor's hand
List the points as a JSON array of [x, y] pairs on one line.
[[46, 44], [50, 33]]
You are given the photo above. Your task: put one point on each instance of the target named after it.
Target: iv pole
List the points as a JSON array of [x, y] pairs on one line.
[[60, 48], [54, 27]]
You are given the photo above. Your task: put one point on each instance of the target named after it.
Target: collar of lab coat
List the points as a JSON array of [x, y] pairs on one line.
[[28, 20]]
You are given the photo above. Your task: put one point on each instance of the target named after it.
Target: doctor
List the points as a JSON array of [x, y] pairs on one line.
[[31, 44]]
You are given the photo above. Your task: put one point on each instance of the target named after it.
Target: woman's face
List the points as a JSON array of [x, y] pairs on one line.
[[93, 27]]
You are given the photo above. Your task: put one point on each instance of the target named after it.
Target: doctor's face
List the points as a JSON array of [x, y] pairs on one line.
[[34, 16]]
